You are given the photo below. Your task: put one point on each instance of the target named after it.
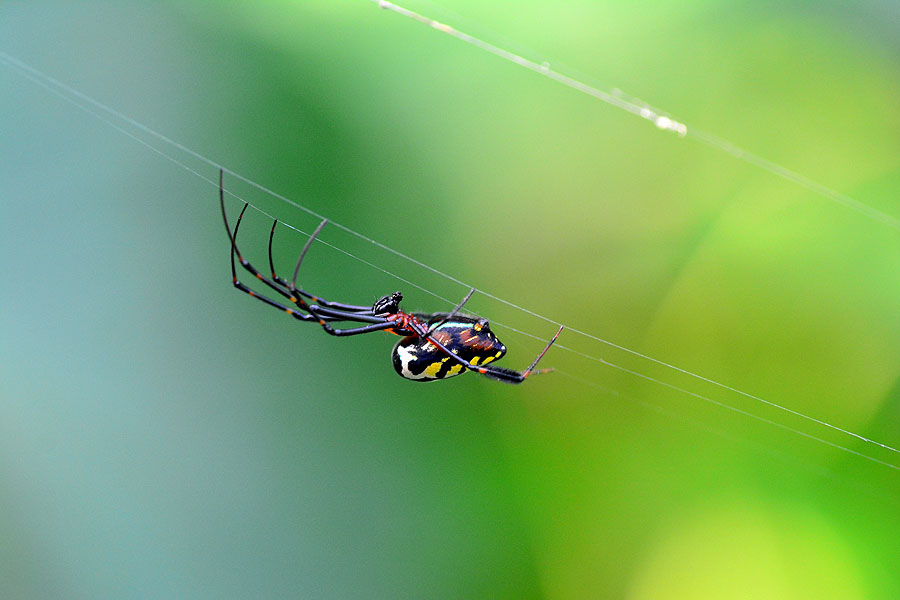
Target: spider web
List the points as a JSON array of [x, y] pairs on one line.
[[141, 133], [660, 118]]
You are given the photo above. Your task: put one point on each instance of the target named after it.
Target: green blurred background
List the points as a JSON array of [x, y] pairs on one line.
[[163, 436]]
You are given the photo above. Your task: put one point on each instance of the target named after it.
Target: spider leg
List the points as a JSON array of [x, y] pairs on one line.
[[358, 330], [450, 315], [292, 296], [303, 252], [333, 314], [317, 314], [320, 314], [378, 323], [297, 315], [246, 264], [510, 376], [315, 299], [232, 236], [292, 286]]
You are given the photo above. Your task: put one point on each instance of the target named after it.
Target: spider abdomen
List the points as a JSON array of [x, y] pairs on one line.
[[470, 339]]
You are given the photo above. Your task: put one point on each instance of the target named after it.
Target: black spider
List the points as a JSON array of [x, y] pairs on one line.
[[434, 346]]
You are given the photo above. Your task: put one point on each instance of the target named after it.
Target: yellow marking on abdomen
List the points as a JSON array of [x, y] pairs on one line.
[[474, 361], [432, 369], [455, 369]]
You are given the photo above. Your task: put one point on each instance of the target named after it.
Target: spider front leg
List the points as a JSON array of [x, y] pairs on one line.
[[291, 295], [249, 267], [287, 285], [232, 236]]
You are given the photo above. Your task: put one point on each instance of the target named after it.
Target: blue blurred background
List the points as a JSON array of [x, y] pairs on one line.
[[163, 436]]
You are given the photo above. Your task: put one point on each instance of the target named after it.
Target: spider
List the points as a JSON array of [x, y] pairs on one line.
[[434, 345]]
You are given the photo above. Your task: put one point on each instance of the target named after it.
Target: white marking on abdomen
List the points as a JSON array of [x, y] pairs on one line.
[[407, 356]]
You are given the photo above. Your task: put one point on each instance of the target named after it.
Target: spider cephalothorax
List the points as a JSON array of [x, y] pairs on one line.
[[434, 346], [387, 304]]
